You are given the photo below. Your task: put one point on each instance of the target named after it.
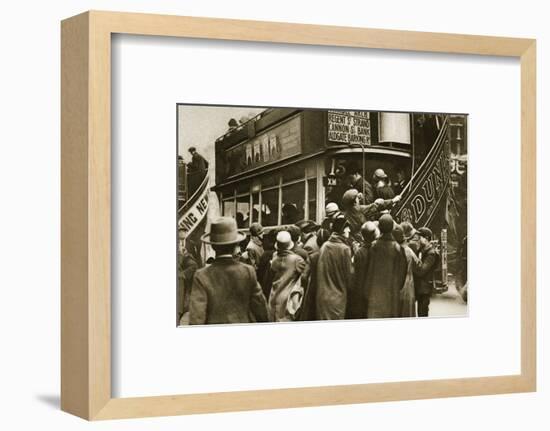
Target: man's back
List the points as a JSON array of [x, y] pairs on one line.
[[226, 292], [387, 268]]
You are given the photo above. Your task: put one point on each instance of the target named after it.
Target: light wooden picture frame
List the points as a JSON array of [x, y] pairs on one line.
[[86, 213]]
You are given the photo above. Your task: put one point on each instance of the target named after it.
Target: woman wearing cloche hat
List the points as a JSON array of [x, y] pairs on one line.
[[290, 274]]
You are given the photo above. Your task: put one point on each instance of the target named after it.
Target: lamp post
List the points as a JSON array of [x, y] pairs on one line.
[[362, 145]]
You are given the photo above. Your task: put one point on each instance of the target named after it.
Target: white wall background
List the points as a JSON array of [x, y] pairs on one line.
[[29, 221]]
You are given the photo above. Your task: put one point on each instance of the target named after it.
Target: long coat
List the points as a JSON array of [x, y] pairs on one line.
[[287, 268], [424, 272], [334, 273], [226, 292], [407, 295], [254, 250], [357, 299], [386, 273], [308, 311], [187, 266]]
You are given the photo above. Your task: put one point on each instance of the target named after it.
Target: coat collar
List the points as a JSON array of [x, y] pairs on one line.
[[337, 238], [224, 259], [386, 237]]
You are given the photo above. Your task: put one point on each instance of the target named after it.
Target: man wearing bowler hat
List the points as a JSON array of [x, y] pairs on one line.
[[424, 272], [226, 291]]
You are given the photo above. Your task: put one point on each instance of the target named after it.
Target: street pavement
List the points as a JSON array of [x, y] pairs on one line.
[[449, 303]]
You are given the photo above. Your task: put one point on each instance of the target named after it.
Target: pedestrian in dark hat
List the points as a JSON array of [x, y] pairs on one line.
[[411, 236], [407, 295], [382, 187], [309, 235], [227, 291], [308, 311], [187, 266], [254, 249], [334, 272], [357, 182], [424, 272], [357, 300], [265, 277], [196, 170], [296, 234], [357, 214], [386, 272]]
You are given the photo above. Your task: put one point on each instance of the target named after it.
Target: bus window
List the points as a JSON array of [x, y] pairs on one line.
[[293, 203], [270, 207], [312, 198], [255, 207], [229, 208], [243, 211]]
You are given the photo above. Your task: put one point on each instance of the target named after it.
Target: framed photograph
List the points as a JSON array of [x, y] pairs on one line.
[[264, 215]]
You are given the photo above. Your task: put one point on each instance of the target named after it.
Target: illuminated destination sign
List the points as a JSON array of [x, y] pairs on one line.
[[349, 127]]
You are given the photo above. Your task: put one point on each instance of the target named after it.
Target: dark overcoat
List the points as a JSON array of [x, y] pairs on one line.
[[187, 266], [408, 298], [384, 192], [386, 272], [310, 296], [226, 292], [334, 273], [357, 306], [368, 194], [424, 272]]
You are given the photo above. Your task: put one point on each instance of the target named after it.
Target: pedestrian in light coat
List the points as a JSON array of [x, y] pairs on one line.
[[289, 277]]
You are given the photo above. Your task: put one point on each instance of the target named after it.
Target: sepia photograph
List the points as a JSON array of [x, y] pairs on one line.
[[299, 214]]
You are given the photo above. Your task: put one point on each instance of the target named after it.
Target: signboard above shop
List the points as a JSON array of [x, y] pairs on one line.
[[349, 127]]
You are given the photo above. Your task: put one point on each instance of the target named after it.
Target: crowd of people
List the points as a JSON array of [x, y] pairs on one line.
[[358, 263]]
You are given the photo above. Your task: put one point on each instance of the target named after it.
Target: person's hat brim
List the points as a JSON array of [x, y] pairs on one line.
[[289, 246], [413, 232], [206, 239]]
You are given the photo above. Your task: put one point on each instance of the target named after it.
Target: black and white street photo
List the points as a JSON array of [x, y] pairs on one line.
[[294, 214]]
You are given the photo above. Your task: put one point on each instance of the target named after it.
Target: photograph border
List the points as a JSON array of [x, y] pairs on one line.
[[86, 213]]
